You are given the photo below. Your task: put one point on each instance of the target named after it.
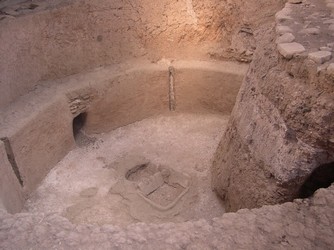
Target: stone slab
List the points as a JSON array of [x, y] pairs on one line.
[[320, 56], [288, 50], [285, 38], [330, 69], [326, 49], [310, 31], [283, 15], [280, 29]]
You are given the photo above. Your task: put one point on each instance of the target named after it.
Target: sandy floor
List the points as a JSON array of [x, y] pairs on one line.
[[89, 184]]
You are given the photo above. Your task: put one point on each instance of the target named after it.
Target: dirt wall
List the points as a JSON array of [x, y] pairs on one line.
[[144, 91], [48, 43], [281, 128]]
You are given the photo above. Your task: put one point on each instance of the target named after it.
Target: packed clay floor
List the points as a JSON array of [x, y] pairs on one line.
[[88, 185]]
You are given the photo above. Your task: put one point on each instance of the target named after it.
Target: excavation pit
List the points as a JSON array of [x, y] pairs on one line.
[[118, 154], [136, 174], [123, 155], [97, 127]]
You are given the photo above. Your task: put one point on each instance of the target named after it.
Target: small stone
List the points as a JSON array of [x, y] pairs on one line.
[[321, 68], [249, 53], [298, 201], [5, 16], [332, 73], [331, 45], [11, 12], [283, 15], [288, 50], [283, 29], [320, 56], [285, 38], [326, 49], [306, 24], [330, 69], [310, 31], [86, 97]]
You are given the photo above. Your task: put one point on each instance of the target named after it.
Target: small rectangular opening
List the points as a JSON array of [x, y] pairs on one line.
[[78, 123]]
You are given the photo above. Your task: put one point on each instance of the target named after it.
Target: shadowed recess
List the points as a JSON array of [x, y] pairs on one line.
[[78, 123], [321, 177]]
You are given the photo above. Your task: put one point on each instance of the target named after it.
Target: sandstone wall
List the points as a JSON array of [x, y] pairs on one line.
[[282, 126]]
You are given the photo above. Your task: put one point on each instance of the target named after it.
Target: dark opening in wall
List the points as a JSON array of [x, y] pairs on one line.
[[321, 177], [81, 138], [78, 124]]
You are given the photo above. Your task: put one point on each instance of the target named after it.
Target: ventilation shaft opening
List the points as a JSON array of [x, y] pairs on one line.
[[321, 177], [80, 137], [78, 123]]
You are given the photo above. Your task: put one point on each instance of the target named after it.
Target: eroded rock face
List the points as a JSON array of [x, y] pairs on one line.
[[281, 128]]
